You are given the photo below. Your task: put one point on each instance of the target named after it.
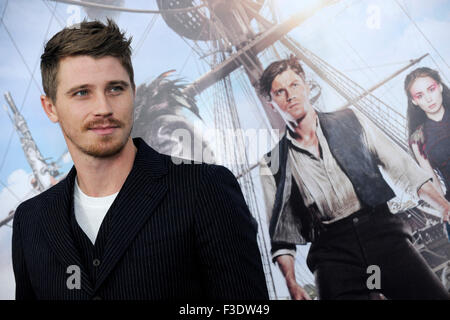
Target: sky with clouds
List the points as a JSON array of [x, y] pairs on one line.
[[366, 40]]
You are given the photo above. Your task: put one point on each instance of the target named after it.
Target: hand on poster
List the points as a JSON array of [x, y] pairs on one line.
[[297, 292]]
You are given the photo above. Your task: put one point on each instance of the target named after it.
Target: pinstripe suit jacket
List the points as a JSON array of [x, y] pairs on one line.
[[178, 232]]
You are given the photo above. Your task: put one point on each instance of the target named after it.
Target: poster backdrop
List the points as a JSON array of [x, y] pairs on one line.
[[196, 70]]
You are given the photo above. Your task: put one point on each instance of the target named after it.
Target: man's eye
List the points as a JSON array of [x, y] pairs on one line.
[[81, 93], [116, 89], [295, 84]]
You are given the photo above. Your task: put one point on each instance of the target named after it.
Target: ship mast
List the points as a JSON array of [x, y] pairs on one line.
[[44, 173]]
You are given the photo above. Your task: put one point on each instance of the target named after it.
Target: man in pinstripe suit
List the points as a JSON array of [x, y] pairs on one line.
[[126, 222]]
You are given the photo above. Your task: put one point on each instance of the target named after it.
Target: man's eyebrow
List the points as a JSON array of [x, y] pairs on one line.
[[277, 89], [74, 89], [110, 83], [432, 85], [121, 82]]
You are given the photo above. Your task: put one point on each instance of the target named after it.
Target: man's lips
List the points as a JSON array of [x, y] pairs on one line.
[[104, 130]]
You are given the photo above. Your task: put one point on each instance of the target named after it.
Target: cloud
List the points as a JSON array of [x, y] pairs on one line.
[[18, 189], [67, 158]]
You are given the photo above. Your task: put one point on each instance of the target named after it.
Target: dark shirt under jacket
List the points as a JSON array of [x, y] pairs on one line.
[[437, 146], [174, 232]]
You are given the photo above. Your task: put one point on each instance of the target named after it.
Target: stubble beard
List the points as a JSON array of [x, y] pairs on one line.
[[105, 146]]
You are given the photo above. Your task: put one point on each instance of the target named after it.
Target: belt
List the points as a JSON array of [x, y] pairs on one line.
[[361, 215]]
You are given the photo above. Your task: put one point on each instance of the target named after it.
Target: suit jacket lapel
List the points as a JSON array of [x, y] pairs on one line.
[[55, 222], [136, 201]]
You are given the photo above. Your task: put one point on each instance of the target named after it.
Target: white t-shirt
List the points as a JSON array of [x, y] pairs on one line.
[[90, 211]]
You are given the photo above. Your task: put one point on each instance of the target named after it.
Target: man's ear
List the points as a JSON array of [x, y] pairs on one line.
[[414, 103], [49, 108]]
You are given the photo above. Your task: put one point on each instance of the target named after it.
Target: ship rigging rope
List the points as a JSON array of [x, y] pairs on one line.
[[145, 34], [32, 77], [377, 66], [4, 9], [38, 59], [206, 99], [12, 130], [364, 62], [10, 191], [192, 47], [20, 54], [115, 8], [422, 33], [59, 19]]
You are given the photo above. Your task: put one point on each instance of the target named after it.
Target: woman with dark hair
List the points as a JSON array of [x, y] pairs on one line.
[[429, 123]]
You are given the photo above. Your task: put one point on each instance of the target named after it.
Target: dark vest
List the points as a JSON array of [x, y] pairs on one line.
[[291, 221], [91, 254]]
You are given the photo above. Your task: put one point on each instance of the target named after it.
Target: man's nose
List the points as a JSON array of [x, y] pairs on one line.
[[290, 95], [102, 106], [428, 97]]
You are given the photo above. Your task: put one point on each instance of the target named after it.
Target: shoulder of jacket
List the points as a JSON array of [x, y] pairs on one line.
[[198, 171], [37, 202]]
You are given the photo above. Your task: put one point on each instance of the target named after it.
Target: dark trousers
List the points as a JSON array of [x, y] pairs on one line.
[[341, 255]]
